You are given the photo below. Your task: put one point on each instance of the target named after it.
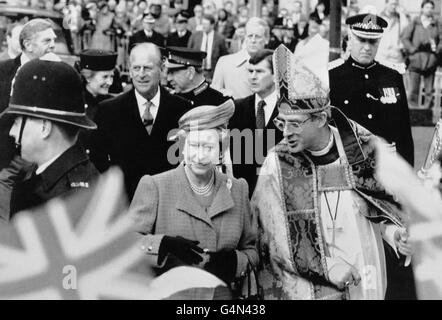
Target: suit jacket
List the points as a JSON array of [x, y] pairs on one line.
[[122, 140], [140, 37], [8, 69], [251, 152], [177, 41], [165, 204], [219, 48]]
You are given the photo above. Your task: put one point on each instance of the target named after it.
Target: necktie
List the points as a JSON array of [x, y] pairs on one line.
[[148, 117], [260, 115]]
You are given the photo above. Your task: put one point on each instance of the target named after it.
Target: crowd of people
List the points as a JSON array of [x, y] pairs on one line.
[[253, 161]]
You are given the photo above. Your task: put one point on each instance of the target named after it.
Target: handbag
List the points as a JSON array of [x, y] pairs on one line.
[[247, 286]]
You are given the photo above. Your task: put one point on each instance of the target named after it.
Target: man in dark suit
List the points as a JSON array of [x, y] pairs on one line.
[[253, 118], [185, 76], [181, 36], [133, 127], [148, 34], [37, 38], [210, 42]]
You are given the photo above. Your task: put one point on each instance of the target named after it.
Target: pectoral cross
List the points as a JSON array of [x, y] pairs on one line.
[[333, 230]]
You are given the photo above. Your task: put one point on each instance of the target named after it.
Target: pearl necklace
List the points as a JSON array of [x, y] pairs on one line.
[[202, 191]]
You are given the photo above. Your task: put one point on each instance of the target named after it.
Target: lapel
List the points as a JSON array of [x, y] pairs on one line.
[[162, 114], [270, 124], [133, 116], [187, 202], [223, 200]]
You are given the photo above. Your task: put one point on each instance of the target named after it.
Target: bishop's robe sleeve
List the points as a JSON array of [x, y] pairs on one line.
[[247, 252]]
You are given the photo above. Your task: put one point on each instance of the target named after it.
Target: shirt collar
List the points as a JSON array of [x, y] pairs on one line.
[[270, 101], [243, 57], [141, 101], [24, 58]]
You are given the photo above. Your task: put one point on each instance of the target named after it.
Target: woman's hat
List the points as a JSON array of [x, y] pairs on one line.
[[205, 117], [98, 60]]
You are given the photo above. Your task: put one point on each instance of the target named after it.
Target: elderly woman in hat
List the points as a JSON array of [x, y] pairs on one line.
[[97, 68], [194, 214]]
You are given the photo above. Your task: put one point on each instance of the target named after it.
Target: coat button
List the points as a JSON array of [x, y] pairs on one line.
[[367, 95], [370, 116], [366, 76], [345, 101]]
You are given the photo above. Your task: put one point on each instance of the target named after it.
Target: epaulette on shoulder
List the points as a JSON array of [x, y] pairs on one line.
[[399, 67], [335, 63]]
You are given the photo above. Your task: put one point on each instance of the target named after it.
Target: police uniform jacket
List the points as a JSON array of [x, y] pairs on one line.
[[140, 37], [174, 40], [373, 96], [204, 95], [70, 172]]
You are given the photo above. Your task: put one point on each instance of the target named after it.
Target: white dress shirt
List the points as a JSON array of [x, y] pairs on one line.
[[270, 101], [208, 37], [141, 101]]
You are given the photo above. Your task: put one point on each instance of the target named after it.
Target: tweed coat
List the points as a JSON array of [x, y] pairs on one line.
[[164, 204]]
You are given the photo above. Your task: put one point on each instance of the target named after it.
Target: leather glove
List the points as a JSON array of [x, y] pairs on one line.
[[14, 172], [223, 264], [184, 249]]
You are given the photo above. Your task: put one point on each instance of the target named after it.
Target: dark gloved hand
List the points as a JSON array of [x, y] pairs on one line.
[[184, 249], [223, 264], [14, 172]]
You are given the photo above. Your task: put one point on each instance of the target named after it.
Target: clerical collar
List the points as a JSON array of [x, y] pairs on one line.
[[326, 149], [356, 64]]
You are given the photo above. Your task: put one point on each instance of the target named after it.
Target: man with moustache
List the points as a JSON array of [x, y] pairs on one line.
[[254, 115], [231, 76], [133, 127], [376, 99], [185, 76]]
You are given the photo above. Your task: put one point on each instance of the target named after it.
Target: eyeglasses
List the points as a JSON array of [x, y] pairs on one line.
[[292, 126]]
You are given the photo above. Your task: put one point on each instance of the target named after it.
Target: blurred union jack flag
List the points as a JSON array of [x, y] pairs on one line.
[[83, 248]]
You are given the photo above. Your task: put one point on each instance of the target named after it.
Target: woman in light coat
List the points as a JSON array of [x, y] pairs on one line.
[[194, 214]]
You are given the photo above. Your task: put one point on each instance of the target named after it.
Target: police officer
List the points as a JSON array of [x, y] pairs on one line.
[[373, 95], [97, 70], [48, 110], [185, 76], [370, 92]]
